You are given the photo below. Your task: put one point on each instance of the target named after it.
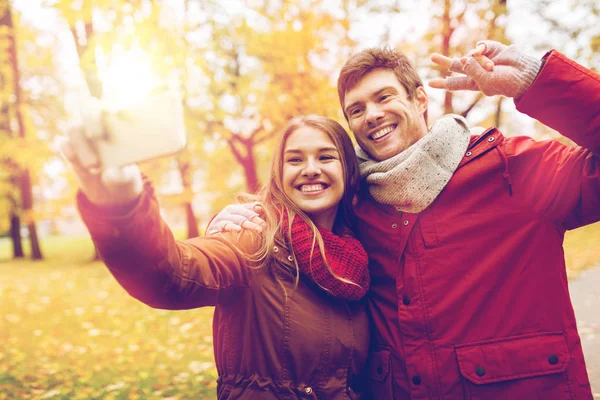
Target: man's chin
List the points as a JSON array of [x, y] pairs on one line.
[[385, 154]]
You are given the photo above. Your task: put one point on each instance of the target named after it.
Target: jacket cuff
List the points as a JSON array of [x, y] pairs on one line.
[[107, 223]]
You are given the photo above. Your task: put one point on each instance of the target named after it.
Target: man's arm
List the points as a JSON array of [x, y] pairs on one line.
[[555, 90], [566, 97], [559, 182]]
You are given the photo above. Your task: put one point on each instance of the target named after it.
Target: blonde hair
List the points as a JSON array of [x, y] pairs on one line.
[[275, 201]]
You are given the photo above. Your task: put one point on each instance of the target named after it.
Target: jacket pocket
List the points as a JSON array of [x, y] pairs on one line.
[[380, 379], [521, 367]]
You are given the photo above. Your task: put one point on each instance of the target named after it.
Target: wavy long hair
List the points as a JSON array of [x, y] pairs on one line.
[[276, 202]]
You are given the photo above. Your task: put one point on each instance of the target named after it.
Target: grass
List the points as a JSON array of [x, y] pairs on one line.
[[581, 249], [69, 331]]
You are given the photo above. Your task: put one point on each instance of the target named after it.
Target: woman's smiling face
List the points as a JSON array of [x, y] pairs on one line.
[[313, 175]]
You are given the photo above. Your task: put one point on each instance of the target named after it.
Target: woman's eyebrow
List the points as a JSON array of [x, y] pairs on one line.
[[329, 148]]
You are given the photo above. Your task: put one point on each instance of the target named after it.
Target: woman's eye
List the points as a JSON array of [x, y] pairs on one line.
[[384, 97], [294, 160], [327, 158]]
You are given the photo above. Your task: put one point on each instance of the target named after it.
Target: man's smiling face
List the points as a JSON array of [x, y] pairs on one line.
[[384, 120]]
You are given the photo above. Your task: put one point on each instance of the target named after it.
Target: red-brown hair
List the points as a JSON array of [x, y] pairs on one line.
[[371, 59]]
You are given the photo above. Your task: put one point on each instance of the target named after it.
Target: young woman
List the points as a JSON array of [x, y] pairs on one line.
[[288, 319]]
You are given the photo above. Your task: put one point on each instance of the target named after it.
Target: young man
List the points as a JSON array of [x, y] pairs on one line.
[[469, 295]]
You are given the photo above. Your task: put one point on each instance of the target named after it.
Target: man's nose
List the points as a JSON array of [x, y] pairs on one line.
[[373, 114]]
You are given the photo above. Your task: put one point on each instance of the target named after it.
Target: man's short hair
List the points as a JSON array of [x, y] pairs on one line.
[[371, 59]]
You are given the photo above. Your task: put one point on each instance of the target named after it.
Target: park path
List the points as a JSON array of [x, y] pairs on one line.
[[585, 295]]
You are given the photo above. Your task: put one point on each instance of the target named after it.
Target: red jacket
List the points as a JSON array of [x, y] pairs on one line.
[[469, 298]]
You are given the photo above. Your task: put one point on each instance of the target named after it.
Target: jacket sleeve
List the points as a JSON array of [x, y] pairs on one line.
[[566, 97], [140, 251], [561, 182]]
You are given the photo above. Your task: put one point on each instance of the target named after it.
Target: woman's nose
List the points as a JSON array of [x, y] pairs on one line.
[[311, 169]]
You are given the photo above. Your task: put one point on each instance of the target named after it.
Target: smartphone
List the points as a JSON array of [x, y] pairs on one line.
[[152, 128]]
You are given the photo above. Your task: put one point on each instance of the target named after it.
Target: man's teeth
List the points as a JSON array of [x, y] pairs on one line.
[[382, 132], [312, 188]]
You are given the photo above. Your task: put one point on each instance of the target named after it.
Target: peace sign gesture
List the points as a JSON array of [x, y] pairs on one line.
[[510, 75]]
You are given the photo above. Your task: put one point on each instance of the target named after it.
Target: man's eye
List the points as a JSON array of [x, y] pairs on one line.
[[355, 112], [384, 97]]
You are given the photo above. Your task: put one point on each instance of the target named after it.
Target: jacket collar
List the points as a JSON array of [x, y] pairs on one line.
[[480, 144]]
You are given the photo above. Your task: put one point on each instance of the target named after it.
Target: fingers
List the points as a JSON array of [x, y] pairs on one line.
[[484, 61], [82, 150], [63, 145], [258, 208], [492, 48], [479, 50], [239, 212], [246, 224], [461, 83], [454, 83], [442, 61], [123, 178], [229, 227], [438, 83], [66, 148], [474, 70], [237, 227], [236, 217]]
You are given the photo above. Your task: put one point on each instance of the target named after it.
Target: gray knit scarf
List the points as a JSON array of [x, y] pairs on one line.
[[413, 179]]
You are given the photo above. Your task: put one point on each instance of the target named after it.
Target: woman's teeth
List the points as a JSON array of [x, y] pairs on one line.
[[312, 188]]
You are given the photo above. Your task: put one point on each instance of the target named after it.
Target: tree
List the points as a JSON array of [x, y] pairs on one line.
[[133, 24], [260, 68], [13, 112]]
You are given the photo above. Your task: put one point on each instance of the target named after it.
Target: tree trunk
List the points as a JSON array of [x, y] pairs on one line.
[[15, 236], [498, 116], [14, 219], [186, 182], [249, 164], [25, 181], [446, 33], [192, 223], [27, 200]]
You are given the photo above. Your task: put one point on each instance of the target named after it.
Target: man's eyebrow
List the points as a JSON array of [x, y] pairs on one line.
[[384, 89], [374, 94], [352, 105]]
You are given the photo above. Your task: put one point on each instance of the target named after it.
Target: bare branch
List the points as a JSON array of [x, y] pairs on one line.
[[473, 104]]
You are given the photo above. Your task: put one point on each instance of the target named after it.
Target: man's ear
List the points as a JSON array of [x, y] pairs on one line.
[[421, 99]]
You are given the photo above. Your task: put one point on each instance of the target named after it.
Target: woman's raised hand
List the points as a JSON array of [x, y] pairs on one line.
[[112, 186]]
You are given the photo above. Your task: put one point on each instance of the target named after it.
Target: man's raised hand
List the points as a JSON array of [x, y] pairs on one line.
[[512, 73]]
